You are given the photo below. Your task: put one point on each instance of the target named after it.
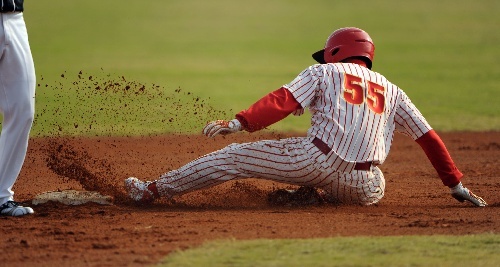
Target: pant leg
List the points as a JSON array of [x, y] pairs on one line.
[[356, 187], [17, 99], [294, 161], [283, 161]]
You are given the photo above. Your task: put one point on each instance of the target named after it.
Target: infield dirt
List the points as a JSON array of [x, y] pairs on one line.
[[124, 234]]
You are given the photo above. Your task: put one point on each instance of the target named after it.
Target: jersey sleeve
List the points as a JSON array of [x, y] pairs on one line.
[[270, 109], [409, 120], [303, 87], [440, 159]]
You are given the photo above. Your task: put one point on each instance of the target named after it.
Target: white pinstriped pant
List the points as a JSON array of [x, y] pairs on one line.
[[293, 161]]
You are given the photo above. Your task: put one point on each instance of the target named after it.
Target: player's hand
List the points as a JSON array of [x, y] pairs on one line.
[[222, 127], [461, 193]]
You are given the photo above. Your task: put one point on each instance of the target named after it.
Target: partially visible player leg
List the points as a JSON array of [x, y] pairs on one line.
[[293, 161], [277, 160], [17, 89], [283, 161]]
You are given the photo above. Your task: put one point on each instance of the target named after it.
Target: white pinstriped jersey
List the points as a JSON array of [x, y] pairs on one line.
[[355, 110]]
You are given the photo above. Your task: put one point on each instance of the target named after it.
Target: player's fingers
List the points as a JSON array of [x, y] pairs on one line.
[[219, 129], [215, 131], [208, 127], [478, 201], [482, 203]]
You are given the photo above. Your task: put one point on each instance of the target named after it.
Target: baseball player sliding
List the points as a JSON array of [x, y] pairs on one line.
[[355, 112], [17, 101]]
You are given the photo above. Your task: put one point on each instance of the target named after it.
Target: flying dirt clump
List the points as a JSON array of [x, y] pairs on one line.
[[107, 105], [93, 174]]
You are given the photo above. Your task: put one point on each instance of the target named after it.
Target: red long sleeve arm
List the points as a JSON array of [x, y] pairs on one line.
[[440, 159], [270, 109]]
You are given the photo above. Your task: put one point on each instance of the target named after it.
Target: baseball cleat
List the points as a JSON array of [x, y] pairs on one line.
[[142, 192], [12, 208]]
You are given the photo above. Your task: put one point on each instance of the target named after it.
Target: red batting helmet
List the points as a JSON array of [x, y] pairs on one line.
[[347, 43]]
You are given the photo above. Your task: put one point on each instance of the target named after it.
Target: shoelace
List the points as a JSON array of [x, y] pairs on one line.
[[9, 204]]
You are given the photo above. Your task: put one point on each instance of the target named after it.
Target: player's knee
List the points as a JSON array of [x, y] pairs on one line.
[[23, 114]]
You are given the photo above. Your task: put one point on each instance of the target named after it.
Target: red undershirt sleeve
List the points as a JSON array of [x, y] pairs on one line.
[[440, 159], [270, 109]]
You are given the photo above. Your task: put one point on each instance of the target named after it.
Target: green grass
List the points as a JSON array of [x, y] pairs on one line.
[[471, 250], [444, 54]]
